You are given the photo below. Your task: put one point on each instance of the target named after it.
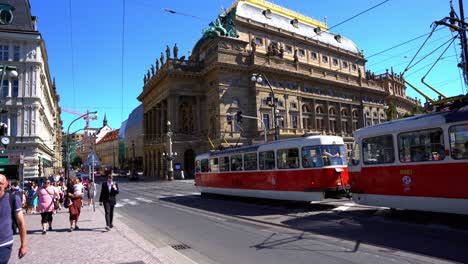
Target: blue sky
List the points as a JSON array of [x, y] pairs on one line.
[[101, 77]]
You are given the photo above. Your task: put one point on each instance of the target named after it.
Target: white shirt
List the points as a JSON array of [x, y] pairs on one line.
[[109, 185]]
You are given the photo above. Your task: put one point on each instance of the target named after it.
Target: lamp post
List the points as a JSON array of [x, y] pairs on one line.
[[170, 155], [5, 139], [272, 101], [67, 169]]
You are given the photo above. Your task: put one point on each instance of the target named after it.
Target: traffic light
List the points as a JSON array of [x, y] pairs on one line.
[[229, 118], [239, 117]]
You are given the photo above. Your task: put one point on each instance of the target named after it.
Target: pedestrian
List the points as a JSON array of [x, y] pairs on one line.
[[91, 192], [46, 206], [75, 193], [17, 191], [10, 205], [32, 203], [109, 190]]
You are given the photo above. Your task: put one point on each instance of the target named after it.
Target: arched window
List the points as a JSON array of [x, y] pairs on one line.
[[355, 114], [332, 111], [319, 110], [344, 112], [186, 117], [305, 108]]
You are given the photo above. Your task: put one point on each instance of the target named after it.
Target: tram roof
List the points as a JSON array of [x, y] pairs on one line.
[[285, 143], [415, 122]]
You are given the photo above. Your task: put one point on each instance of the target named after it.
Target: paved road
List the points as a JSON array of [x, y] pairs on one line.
[[232, 230]]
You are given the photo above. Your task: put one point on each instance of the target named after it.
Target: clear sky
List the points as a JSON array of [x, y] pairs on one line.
[[84, 42]]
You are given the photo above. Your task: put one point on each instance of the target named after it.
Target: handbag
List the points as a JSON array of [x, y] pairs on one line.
[[66, 202], [56, 202]]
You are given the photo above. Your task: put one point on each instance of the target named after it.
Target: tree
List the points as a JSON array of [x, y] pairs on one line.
[[76, 161], [391, 112]]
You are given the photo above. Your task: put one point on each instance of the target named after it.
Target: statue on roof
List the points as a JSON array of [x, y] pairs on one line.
[[281, 52], [176, 51], [144, 79], [296, 58], [148, 75], [168, 52], [157, 65], [152, 69], [162, 59], [253, 45]]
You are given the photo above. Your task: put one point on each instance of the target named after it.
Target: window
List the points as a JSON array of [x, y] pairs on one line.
[[267, 13], [214, 167], [344, 112], [344, 126], [293, 105], [15, 89], [294, 121], [288, 158], [266, 121], [266, 160], [355, 155], [281, 120], [332, 111], [312, 157], [313, 55], [355, 114], [345, 64], [332, 125], [353, 67], [250, 161], [4, 52], [16, 53], [204, 165], [280, 103], [319, 110], [378, 150], [301, 52], [319, 124], [423, 145], [5, 88], [259, 41], [236, 163], [13, 126], [224, 164], [459, 141], [324, 59], [335, 61], [288, 48]]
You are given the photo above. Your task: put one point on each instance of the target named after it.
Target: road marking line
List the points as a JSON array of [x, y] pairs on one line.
[[119, 205], [143, 199], [341, 208], [132, 203], [125, 200]]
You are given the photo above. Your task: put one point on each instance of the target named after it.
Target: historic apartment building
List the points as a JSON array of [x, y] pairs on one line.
[[107, 149], [319, 80], [29, 95]]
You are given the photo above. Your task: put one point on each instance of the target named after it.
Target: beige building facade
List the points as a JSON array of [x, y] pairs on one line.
[[319, 80]]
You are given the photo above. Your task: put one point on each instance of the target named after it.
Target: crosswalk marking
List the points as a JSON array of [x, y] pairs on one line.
[[143, 199]]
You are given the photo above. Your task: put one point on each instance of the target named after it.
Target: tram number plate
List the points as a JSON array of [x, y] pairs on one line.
[[406, 172]]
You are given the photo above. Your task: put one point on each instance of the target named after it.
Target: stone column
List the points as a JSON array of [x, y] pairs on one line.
[[314, 115], [175, 123], [299, 104], [198, 116]]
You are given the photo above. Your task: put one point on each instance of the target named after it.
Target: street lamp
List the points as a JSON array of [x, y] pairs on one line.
[[170, 155], [12, 73], [67, 169], [271, 100]]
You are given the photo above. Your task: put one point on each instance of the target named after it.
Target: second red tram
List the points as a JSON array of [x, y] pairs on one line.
[[300, 169], [416, 163]]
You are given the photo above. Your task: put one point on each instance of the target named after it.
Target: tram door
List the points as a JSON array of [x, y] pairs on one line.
[[354, 167]]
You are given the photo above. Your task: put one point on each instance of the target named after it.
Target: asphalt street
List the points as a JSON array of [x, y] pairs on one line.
[[233, 230]]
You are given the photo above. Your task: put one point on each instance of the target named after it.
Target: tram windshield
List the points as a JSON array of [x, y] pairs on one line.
[[326, 155]]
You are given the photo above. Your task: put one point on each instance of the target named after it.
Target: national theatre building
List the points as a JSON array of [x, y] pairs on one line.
[[254, 58]]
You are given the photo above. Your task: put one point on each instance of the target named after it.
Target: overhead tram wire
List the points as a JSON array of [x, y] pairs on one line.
[[401, 44], [182, 14], [439, 58], [459, 69], [365, 11]]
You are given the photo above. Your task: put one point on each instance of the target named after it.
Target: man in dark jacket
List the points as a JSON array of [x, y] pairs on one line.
[[109, 190]]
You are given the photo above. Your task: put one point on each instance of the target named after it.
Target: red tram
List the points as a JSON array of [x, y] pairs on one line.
[[416, 163], [300, 169]]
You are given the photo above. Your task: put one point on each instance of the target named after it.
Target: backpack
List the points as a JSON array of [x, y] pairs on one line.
[[12, 202]]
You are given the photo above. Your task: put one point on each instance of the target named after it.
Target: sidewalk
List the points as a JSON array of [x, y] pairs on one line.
[[90, 244]]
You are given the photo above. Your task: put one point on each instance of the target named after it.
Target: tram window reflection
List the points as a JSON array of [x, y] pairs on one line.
[[288, 158], [459, 141], [422, 145], [204, 165], [266, 160], [378, 150], [236, 163], [214, 167], [311, 157], [224, 164], [250, 161]]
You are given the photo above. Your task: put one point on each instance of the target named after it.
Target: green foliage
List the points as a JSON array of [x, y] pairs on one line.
[[76, 161], [391, 112]]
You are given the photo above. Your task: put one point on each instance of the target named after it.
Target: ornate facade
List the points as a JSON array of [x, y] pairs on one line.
[[319, 80], [29, 95]]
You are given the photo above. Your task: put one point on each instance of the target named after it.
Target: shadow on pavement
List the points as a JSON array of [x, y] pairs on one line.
[[400, 232]]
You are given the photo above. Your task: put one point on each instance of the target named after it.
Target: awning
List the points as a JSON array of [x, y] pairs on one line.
[[46, 163]]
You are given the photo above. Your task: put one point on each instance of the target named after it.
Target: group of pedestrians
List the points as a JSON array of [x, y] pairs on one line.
[[48, 200]]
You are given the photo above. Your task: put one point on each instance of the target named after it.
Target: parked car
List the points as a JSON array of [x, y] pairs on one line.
[[134, 176]]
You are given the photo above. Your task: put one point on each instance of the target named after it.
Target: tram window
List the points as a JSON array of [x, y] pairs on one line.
[[355, 155], [333, 155], [423, 145], [459, 141], [197, 166], [378, 150], [250, 161], [312, 157], [204, 165], [236, 163], [224, 164], [288, 158], [266, 160], [214, 167]]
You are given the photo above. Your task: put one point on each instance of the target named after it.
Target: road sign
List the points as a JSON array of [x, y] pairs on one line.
[[4, 161], [2, 169]]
